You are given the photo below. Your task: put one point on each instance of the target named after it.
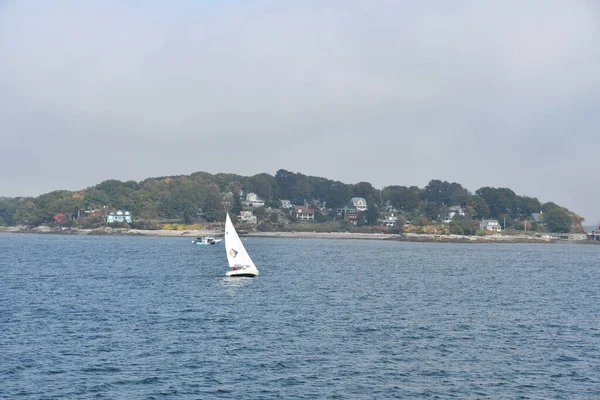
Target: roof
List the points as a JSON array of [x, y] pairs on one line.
[[490, 221], [537, 217], [304, 210]]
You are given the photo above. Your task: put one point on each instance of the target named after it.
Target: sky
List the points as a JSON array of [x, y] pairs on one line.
[[499, 93]]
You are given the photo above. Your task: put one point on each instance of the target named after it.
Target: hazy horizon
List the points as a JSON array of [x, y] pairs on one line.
[[496, 93]]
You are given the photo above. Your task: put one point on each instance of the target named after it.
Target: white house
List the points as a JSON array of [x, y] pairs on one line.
[[119, 216], [247, 217], [359, 203], [389, 220], [452, 212], [490, 225], [253, 200], [285, 204], [304, 213]]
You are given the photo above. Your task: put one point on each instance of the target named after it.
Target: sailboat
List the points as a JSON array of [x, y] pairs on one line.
[[237, 257]]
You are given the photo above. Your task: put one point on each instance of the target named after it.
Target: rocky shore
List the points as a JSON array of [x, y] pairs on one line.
[[407, 237]]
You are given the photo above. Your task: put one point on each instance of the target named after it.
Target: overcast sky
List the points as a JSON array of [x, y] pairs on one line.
[[485, 93]]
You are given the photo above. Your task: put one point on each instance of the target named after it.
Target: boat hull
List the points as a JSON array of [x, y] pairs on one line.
[[242, 273], [202, 243], [245, 275]]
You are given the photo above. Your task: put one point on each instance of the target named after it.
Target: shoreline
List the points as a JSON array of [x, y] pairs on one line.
[[405, 237]]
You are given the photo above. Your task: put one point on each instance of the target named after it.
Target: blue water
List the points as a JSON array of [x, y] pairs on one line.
[[141, 318]]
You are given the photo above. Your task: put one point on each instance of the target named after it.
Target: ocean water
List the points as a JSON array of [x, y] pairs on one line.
[[101, 317]]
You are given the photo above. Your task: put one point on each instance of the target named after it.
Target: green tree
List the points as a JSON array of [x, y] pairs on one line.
[[236, 208], [444, 193], [480, 207], [27, 214], [431, 210], [265, 186], [8, 208], [372, 214], [402, 198], [274, 217], [366, 191], [557, 220], [260, 213], [499, 201], [462, 226]]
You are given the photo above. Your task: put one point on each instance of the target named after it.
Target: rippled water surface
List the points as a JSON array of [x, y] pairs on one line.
[[142, 318]]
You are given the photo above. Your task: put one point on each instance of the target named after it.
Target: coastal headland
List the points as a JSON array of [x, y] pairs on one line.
[[407, 237]]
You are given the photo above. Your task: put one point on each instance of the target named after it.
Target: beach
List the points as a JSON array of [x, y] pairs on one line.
[[407, 237]]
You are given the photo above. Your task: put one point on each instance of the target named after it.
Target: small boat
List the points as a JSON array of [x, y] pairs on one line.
[[206, 240], [237, 257]]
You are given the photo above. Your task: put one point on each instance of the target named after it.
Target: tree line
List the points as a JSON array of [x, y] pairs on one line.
[[180, 197]]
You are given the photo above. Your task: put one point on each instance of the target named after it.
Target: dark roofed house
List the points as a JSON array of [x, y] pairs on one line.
[[304, 213], [538, 217]]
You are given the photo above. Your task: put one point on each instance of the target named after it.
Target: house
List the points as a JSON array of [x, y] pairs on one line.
[[247, 217], [200, 215], [119, 216], [490, 225], [452, 212], [61, 218], [285, 204], [538, 217], [389, 221], [387, 207], [304, 213], [359, 203], [253, 200], [352, 217], [345, 210]]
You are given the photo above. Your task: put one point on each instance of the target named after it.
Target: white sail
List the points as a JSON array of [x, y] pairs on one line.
[[237, 256]]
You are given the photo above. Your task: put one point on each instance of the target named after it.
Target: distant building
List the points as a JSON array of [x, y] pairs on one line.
[[452, 212], [253, 200], [389, 221], [285, 204], [490, 225], [304, 213], [359, 203], [119, 216], [200, 215], [247, 217], [352, 217], [538, 218], [61, 218]]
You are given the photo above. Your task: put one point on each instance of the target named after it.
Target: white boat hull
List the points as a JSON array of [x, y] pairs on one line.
[[204, 242], [242, 272]]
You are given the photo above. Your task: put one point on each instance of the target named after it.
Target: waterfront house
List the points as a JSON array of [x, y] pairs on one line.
[[253, 200], [304, 213], [359, 203], [490, 225], [119, 216], [247, 217], [343, 211], [389, 221], [352, 217], [453, 212], [61, 218], [538, 218], [387, 207]]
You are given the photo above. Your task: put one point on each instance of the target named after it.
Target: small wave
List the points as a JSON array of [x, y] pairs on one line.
[[564, 358], [146, 381], [101, 369]]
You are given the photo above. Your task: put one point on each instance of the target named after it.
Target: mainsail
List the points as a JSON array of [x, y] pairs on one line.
[[236, 253]]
